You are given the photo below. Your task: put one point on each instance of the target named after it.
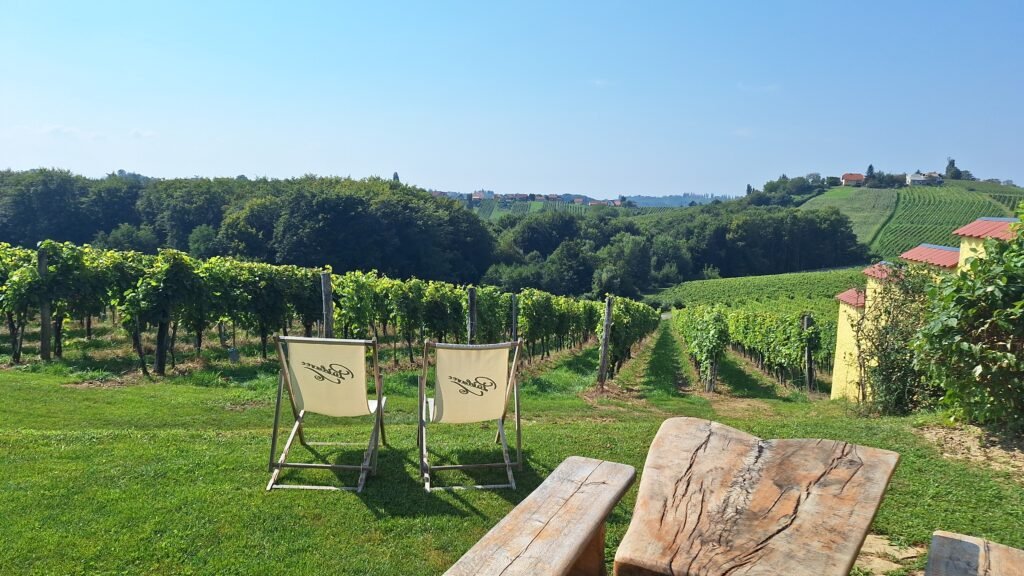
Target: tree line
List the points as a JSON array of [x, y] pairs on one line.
[[403, 231]]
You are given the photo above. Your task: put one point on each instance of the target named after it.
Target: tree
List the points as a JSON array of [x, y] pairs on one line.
[[569, 269], [129, 238], [870, 174], [204, 243], [394, 177], [892, 318], [248, 230], [952, 172], [750, 190]]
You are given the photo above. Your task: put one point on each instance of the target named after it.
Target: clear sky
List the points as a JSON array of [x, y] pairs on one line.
[[597, 98]]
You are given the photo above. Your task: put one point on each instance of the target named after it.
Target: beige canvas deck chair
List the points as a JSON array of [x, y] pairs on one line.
[[328, 377], [473, 384]]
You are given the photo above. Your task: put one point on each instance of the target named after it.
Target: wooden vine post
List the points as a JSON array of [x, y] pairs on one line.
[[602, 374], [326, 290], [46, 323], [471, 316], [515, 318], [808, 323]]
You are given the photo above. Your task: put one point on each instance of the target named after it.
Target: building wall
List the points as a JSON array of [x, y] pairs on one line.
[[970, 247], [845, 374]]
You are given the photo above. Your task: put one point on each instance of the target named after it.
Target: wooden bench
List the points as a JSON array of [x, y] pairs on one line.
[[715, 501], [557, 529], [958, 555]]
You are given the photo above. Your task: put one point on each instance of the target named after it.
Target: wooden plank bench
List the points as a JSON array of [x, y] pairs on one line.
[[958, 555], [558, 529], [716, 501]]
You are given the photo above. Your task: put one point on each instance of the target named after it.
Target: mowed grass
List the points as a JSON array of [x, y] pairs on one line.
[[868, 208], [168, 477]]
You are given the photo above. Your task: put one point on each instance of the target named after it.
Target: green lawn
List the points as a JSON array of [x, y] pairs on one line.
[[867, 208], [168, 477]]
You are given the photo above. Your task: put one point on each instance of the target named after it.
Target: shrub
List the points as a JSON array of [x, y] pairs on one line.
[[973, 344]]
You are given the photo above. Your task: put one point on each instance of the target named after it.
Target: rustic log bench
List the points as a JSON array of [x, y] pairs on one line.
[[558, 529], [716, 501], [958, 555]]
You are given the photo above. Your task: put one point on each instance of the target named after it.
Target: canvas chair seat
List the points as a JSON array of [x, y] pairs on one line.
[[473, 384], [328, 377]]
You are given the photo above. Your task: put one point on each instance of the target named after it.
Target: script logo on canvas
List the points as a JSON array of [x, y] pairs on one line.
[[477, 386], [333, 373]]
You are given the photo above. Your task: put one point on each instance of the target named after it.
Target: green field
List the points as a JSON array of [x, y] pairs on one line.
[[930, 214], [110, 476], [867, 208]]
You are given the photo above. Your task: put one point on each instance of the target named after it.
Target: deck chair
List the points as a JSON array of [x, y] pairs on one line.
[[328, 377], [472, 384]]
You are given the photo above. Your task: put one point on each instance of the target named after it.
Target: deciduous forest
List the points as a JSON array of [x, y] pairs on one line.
[[403, 231]]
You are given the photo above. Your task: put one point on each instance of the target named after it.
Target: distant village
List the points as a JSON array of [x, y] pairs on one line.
[[638, 201], [480, 195], [915, 179]]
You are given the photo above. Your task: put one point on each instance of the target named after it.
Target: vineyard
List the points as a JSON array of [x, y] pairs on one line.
[[775, 289], [930, 214], [486, 209], [775, 341], [172, 293], [764, 314]]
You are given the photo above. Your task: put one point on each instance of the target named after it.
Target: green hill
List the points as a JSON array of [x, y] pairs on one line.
[[814, 291], [867, 208], [893, 221]]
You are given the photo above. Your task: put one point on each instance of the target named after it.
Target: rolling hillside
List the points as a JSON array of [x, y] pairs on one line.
[[867, 208], [813, 291], [893, 221]]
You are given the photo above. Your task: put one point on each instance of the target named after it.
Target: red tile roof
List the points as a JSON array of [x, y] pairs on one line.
[[880, 271], [854, 297], [941, 256], [988, 228], [853, 176]]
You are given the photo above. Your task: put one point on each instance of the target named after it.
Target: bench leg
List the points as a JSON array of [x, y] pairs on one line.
[[591, 560]]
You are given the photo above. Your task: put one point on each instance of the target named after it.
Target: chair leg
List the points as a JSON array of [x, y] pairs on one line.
[[369, 457], [504, 454], [424, 461], [284, 454]]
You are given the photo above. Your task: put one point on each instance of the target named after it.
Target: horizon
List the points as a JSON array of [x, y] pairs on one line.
[[601, 101]]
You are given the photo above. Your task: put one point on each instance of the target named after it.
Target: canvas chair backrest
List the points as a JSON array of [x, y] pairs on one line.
[[472, 383], [326, 376]]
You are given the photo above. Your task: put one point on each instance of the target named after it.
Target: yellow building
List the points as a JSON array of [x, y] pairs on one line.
[[853, 304], [845, 375], [973, 236]]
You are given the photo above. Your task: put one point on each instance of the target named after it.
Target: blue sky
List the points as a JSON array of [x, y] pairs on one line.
[[599, 98]]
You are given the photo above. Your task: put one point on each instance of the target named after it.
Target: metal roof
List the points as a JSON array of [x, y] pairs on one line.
[[941, 256], [988, 228]]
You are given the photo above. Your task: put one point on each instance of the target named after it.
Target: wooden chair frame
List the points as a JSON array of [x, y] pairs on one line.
[[424, 418], [377, 436]]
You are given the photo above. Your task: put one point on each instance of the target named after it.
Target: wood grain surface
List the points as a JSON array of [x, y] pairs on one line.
[[717, 501], [557, 529]]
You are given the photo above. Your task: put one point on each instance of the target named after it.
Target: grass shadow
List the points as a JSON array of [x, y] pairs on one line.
[[743, 384], [665, 373]]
